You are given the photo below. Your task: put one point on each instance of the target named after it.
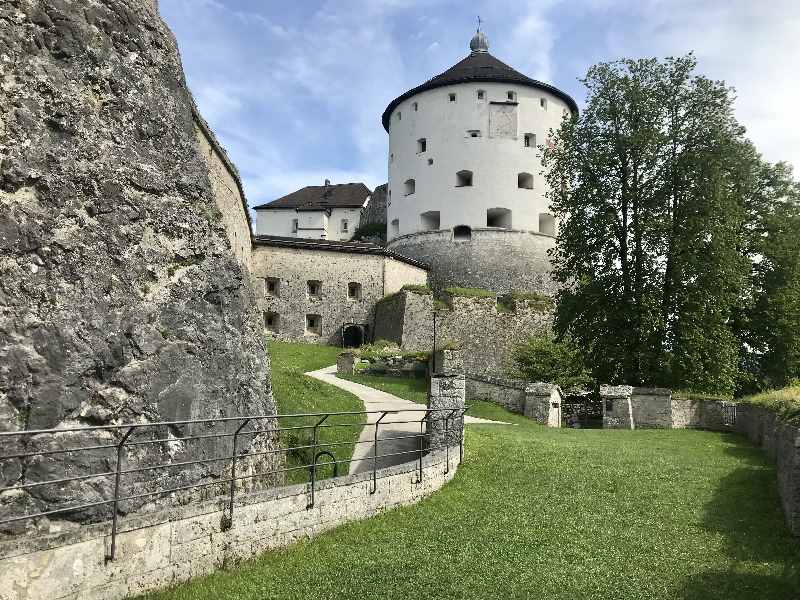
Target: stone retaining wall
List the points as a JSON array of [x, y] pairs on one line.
[[162, 549], [781, 442], [485, 332], [538, 401]]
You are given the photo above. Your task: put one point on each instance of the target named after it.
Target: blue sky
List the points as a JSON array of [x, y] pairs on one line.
[[295, 90]]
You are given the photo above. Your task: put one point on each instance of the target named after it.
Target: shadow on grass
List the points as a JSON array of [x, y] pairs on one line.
[[746, 510]]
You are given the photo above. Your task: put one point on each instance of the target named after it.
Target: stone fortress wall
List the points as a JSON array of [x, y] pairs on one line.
[[282, 271], [482, 328], [494, 259]]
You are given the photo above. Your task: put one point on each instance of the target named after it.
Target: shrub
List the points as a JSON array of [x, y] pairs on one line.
[[469, 292], [542, 358], [417, 288], [785, 402], [373, 232]]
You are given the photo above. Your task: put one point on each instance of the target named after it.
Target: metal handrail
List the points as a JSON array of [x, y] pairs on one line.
[[317, 448]]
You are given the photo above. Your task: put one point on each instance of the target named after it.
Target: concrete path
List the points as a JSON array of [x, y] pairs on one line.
[[391, 426]]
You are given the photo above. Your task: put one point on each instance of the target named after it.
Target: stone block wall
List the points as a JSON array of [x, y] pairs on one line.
[[446, 395], [166, 548], [781, 442], [289, 268], [501, 260], [543, 403], [484, 333], [508, 393]]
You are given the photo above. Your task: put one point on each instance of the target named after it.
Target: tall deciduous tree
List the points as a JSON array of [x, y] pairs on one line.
[[770, 328], [652, 186]]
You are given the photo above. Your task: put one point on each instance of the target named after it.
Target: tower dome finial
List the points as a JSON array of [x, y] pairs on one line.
[[479, 42]]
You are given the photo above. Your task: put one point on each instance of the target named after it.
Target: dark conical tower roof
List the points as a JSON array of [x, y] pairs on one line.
[[478, 66]]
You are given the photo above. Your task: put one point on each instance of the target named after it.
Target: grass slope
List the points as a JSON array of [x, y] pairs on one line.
[[554, 514], [298, 393], [414, 389]]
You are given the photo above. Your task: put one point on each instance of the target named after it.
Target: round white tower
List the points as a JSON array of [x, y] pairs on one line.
[[466, 194]]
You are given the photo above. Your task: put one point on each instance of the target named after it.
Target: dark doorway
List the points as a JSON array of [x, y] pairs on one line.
[[582, 409], [353, 336]]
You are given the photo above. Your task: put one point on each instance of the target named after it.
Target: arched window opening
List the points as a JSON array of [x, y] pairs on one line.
[[462, 233], [525, 181], [498, 217], [547, 224], [395, 227], [464, 179], [430, 221], [410, 186]]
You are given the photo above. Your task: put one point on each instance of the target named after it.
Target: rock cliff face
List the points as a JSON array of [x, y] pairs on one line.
[[120, 297]]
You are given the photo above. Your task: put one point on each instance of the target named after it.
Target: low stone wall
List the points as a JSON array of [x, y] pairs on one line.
[[162, 549], [348, 363], [508, 393], [538, 401], [781, 442]]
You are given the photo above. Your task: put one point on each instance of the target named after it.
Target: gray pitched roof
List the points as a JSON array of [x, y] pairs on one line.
[[478, 66], [320, 197]]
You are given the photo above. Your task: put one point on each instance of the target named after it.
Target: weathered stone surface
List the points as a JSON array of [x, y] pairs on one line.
[[485, 333], [121, 298], [501, 260]]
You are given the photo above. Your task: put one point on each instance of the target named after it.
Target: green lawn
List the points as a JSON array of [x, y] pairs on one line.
[[298, 393], [554, 513], [410, 388]]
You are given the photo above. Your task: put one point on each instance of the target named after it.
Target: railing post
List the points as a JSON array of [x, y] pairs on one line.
[[313, 474], [375, 455], [461, 438], [421, 436], [117, 479], [233, 470]]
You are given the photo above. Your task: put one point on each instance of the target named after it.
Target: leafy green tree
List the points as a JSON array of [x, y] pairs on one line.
[[652, 185], [543, 359], [771, 333]]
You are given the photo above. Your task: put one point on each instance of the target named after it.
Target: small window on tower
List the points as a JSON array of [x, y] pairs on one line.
[[415, 107], [464, 179], [295, 225], [474, 133], [411, 186], [525, 181], [512, 96], [481, 95], [452, 97], [422, 145], [345, 226], [391, 158], [530, 140], [399, 116], [543, 103]]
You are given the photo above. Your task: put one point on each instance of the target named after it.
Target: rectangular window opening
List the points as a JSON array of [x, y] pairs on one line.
[[313, 325], [314, 289], [272, 286]]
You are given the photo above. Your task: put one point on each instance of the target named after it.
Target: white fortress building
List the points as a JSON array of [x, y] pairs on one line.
[[466, 193]]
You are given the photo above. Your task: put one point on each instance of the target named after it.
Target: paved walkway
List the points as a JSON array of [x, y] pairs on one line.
[[391, 426]]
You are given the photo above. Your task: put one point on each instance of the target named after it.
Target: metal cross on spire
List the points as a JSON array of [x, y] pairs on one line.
[[479, 22]]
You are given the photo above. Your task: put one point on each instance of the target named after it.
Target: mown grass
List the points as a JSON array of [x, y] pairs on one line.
[[298, 393], [409, 388], [554, 514]]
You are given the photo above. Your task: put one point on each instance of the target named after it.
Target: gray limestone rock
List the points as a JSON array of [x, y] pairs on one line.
[[120, 297]]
